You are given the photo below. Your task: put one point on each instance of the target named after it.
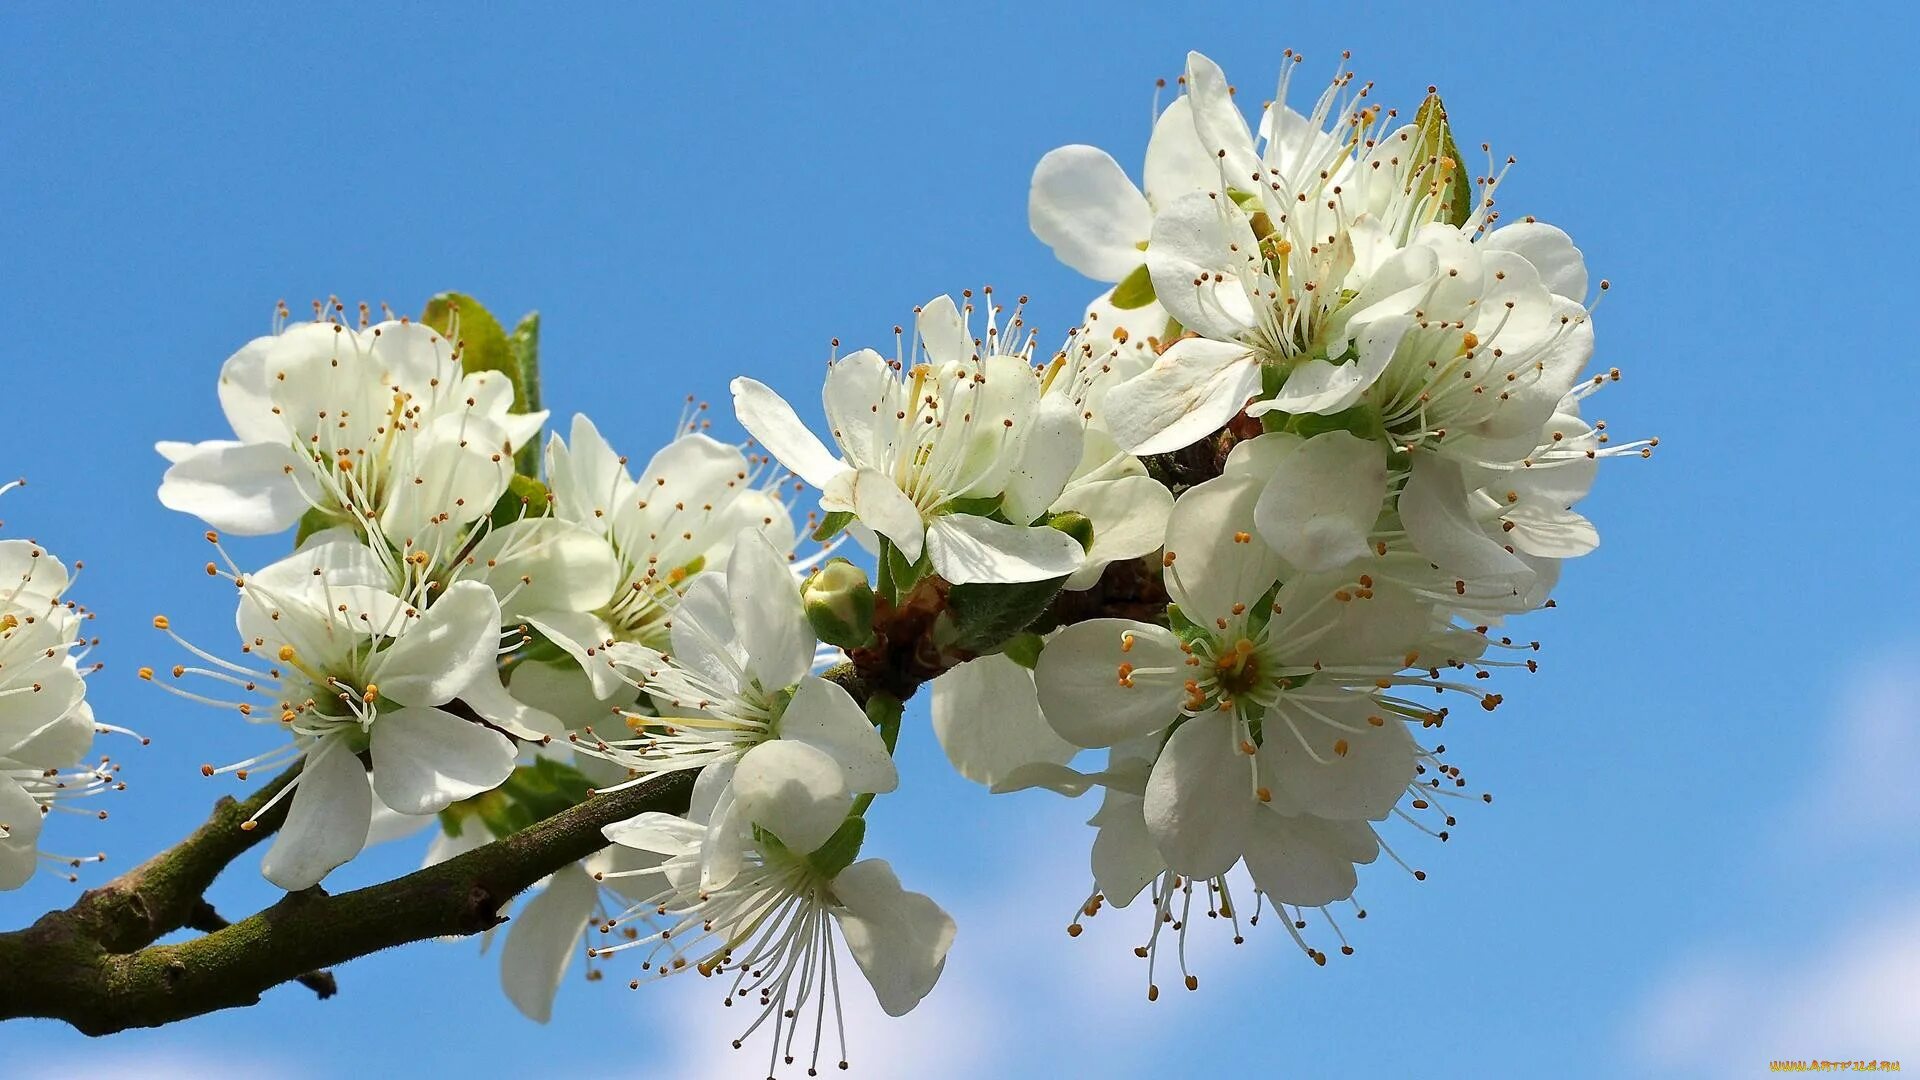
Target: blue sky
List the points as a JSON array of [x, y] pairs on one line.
[[1702, 851]]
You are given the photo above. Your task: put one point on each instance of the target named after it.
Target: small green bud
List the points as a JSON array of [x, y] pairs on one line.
[[839, 604], [1076, 525]]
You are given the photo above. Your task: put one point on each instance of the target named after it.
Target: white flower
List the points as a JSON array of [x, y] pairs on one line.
[[1082, 205], [654, 534], [774, 922], [46, 727], [926, 449], [358, 670], [375, 426], [1275, 702], [738, 697]]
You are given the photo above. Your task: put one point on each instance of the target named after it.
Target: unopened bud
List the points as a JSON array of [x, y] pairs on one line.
[[839, 604], [1076, 525]]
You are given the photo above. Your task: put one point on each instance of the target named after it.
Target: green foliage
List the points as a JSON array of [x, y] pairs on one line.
[[831, 523], [1441, 168], [485, 345], [524, 497], [531, 795], [986, 617]]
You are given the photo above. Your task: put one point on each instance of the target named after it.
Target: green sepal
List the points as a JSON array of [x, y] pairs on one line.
[[1363, 421], [840, 850], [1436, 146], [831, 524], [1184, 628], [317, 520], [1135, 290]]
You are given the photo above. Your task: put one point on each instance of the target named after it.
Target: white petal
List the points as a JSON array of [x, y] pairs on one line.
[[1306, 861], [583, 637], [444, 649], [20, 816], [246, 382], [899, 938], [768, 614], [824, 716], [327, 823], [585, 475], [541, 943], [1079, 686], [1200, 802], [1082, 205], [1217, 122], [1129, 515], [1124, 858], [704, 637], [1189, 393], [986, 714], [1562, 268], [425, 760], [859, 397], [1549, 532], [1319, 507], [1047, 458], [1177, 162], [1201, 246], [769, 419], [565, 691], [878, 502], [971, 550], [795, 791], [488, 698], [238, 488], [1317, 386], [1213, 567], [1361, 784], [546, 564], [943, 333], [1435, 510], [661, 834]]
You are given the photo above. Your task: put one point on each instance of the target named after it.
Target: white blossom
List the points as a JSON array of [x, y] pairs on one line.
[[927, 445], [378, 425]]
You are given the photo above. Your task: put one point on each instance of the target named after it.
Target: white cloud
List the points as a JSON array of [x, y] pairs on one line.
[[1015, 983], [149, 1063], [1850, 997], [1864, 790]]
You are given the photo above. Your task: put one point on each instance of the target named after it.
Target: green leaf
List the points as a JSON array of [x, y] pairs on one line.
[[524, 497], [986, 617], [482, 344], [525, 343], [531, 795], [1024, 649], [1438, 165], [1135, 290]]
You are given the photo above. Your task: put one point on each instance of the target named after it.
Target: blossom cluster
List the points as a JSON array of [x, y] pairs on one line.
[[1255, 529], [46, 725]]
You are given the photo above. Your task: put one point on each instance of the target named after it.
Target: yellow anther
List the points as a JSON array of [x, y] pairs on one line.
[[160, 622]]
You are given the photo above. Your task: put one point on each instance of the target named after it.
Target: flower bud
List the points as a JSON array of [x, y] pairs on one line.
[[839, 604], [1076, 525]]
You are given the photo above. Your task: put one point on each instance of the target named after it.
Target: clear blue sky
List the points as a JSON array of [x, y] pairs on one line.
[[1702, 835]]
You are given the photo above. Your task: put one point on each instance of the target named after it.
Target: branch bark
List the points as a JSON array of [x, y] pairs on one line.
[[62, 968]]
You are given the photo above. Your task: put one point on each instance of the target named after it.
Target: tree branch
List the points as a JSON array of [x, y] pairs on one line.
[[57, 969]]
